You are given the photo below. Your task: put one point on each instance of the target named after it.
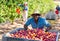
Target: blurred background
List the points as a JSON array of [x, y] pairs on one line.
[[10, 19]]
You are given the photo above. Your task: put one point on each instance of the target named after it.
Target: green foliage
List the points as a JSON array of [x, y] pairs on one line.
[[42, 5], [8, 7], [2, 19], [12, 17]]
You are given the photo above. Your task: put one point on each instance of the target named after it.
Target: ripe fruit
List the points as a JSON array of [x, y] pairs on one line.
[[35, 34]]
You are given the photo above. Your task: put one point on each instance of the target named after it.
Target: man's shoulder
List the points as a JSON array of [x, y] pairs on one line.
[[30, 19], [42, 18]]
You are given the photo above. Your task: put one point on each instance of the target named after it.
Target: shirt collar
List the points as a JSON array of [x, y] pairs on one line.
[[38, 18]]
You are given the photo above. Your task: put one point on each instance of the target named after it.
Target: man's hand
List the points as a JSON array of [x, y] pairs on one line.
[[47, 29], [25, 27], [44, 29]]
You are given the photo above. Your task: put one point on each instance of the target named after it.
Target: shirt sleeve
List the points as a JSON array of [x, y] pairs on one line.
[[47, 24], [21, 5], [28, 22]]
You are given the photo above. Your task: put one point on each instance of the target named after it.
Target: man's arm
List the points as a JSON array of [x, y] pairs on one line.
[[27, 24], [48, 25], [21, 5], [48, 28], [25, 27]]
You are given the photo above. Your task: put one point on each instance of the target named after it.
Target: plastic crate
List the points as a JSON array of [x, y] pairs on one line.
[[7, 38]]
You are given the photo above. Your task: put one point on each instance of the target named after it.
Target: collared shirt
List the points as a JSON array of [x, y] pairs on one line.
[[24, 7], [41, 23]]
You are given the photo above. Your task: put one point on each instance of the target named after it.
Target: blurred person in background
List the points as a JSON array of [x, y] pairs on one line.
[[58, 11], [50, 15], [25, 11], [58, 7]]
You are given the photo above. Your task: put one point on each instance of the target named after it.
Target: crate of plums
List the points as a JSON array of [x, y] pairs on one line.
[[20, 34]]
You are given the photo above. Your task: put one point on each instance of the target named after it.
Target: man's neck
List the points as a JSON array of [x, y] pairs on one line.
[[36, 21]]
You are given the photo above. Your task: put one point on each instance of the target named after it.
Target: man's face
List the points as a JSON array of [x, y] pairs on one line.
[[35, 17], [25, 4]]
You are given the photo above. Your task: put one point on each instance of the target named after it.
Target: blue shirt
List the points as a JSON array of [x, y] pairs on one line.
[[24, 7], [41, 23], [58, 8]]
